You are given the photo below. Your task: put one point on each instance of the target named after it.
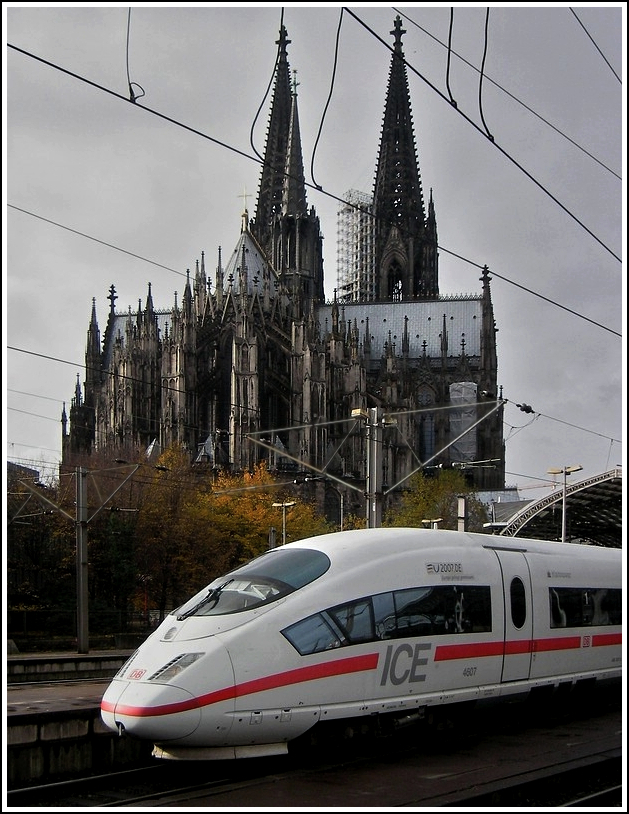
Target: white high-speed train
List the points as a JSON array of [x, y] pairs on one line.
[[372, 625]]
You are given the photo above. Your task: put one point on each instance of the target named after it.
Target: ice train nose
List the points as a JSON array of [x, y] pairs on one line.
[[152, 712]]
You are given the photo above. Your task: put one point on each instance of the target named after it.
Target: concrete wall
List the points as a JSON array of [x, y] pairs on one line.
[[64, 667], [54, 746]]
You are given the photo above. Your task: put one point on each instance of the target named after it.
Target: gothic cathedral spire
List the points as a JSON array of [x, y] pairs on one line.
[[276, 148], [286, 230], [405, 242], [294, 189]]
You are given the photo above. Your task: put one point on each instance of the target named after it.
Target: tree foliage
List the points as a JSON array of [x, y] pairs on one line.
[[193, 527], [436, 498], [173, 527], [40, 561]]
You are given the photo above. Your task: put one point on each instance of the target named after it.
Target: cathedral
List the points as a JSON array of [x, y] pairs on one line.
[[254, 365]]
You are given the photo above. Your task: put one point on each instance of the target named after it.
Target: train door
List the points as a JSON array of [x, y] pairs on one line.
[[518, 615]]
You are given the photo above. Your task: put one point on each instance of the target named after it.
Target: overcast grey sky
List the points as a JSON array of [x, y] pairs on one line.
[[543, 205]]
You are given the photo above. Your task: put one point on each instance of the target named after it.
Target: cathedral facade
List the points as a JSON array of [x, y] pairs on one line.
[[253, 364]]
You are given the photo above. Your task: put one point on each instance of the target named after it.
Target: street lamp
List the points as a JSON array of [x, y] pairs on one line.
[[283, 507], [565, 471]]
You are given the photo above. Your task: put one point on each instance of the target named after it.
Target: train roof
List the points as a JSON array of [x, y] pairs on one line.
[[373, 542]]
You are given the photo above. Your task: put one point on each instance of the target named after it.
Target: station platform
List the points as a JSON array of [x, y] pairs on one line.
[[32, 667], [54, 731], [37, 698]]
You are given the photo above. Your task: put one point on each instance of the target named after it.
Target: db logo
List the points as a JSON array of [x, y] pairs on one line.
[[135, 674], [586, 641]]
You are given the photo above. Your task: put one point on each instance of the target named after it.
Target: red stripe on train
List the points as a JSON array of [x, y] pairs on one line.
[[606, 639], [369, 661], [355, 664], [557, 643], [447, 652], [347, 666]]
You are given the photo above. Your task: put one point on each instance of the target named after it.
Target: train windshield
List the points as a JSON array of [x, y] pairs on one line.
[[264, 579]]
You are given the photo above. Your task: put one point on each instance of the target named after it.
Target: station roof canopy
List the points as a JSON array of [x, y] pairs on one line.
[[593, 513]]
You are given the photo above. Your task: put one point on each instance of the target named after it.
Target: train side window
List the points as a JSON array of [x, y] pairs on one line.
[[436, 610], [518, 602], [558, 616], [584, 607], [355, 620], [312, 635], [597, 599], [612, 606], [384, 616], [467, 608], [441, 610], [415, 617]]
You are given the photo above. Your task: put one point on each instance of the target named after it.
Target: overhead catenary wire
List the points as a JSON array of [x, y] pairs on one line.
[[440, 247], [510, 95], [595, 45], [450, 27], [491, 140], [133, 96], [295, 427], [266, 93], [95, 239], [480, 81], [316, 187], [325, 110], [312, 186], [536, 294]]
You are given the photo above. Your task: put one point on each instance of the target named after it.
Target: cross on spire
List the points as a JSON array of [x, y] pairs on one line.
[[397, 33], [245, 195], [245, 215], [112, 297]]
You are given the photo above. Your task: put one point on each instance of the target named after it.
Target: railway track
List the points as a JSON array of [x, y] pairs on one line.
[[553, 787], [455, 774], [60, 682], [593, 784]]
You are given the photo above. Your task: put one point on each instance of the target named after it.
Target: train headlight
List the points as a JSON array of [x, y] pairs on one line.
[[175, 666]]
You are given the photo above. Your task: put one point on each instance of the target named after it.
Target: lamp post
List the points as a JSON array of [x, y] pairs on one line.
[[283, 507], [565, 471]]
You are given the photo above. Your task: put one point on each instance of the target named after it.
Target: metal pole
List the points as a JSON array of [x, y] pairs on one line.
[[81, 562], [341, 496], [563, 508], [368, 478], [462, 518], [283, 524], [374, 470]]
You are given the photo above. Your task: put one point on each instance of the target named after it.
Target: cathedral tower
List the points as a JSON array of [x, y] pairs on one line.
[[287, 231], [405, 240], [259, 354]]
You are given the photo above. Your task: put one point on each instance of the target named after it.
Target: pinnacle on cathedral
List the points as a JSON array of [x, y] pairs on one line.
[[405, 242], [272, 178], [260, 351], [287, 232]]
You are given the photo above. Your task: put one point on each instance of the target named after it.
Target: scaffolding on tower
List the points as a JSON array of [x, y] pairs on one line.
[[355, 248]]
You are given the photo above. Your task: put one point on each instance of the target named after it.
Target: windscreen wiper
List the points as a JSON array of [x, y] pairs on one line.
[[212, 595]]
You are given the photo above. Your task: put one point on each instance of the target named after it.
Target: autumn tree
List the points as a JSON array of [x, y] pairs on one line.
[[431, 497], [165, 489], [193, 526], [230, 524], [40, 561]]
